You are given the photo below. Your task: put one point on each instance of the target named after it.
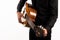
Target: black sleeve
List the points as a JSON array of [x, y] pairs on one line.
[[20, 5], [53, 10]]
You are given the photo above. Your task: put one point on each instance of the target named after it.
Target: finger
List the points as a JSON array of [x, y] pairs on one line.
[[45, 35], [45, 32], [38, 34]]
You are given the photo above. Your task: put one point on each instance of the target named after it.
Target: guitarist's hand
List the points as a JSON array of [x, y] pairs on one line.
[[37, 33], [45, 32], [19, 14], [37, 30]]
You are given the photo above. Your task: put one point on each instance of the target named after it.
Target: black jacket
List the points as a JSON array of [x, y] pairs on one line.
[[47, 11]]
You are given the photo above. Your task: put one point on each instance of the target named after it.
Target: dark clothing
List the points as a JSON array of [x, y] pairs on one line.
[[47, 13]]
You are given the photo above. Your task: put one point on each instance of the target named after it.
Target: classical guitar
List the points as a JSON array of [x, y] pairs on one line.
[[30, 15]]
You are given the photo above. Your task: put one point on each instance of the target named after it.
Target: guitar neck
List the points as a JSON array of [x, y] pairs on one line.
[[32, 25]]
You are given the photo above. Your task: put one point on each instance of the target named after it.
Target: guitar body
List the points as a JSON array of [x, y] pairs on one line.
[[31, 12]]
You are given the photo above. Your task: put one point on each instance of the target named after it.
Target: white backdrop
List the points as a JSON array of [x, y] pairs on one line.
[[10, 29]]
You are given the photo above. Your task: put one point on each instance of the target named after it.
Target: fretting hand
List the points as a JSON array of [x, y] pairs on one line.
[[45, 32]]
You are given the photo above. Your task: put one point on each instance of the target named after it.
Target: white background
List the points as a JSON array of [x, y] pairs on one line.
[[10, 29]]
